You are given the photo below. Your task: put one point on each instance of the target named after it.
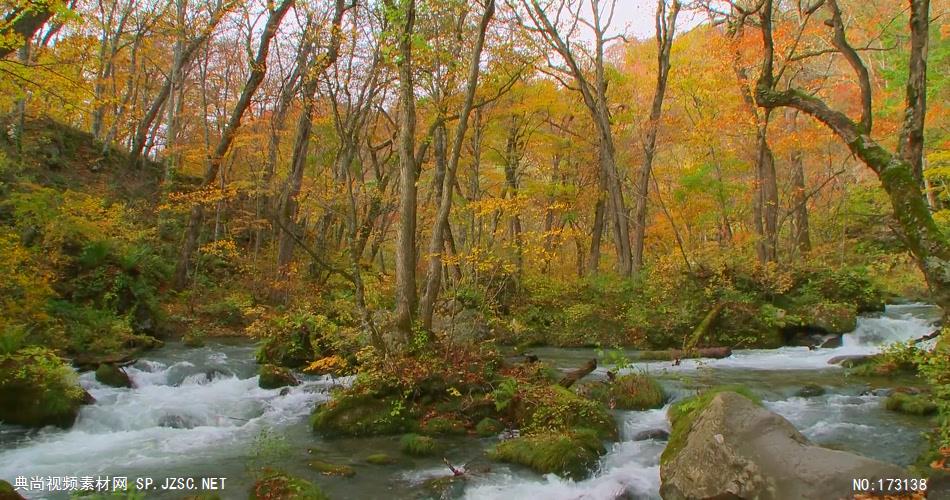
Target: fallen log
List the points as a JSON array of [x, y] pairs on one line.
[[575, 375], [932, 335], [703, 328], [675, 354]]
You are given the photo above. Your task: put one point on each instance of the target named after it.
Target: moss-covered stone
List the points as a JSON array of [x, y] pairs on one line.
[[275, 484], [380, 459], [7, 492], [443, 425], [911, 404], [554, 408], [810, 391], [273, 377], [683, 413], [361, 414], [37, 389], [113, 376], [489, 427], [634, 391], [570, 454], [193, 339], [829, 317], [418, 446], [331, 469]]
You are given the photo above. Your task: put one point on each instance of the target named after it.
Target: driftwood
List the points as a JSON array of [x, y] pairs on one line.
[[574, 376], [455, 471], [929, 336], [675, 354]]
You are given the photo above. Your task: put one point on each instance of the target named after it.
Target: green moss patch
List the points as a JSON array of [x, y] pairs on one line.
[[443, 425], [569, 454], [331, 469], [634, 391], [489, 427], [418, 446], [275, 484], [37, 388], [553, 408], [380, 459], [113, 376], [911, 404]]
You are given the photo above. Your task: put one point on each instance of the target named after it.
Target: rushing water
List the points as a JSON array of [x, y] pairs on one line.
[[199, 413]]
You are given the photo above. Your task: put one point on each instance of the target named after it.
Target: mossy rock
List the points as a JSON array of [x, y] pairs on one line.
[[683, 413], [193, 340], [569, 454], [331, 469], [37, 389], [274, 377], [443, 425], [275, 484], [635, 391], [910, 404], [359, 414], [488, 426], [831, 317], [8, 492], [418, 446], [810, 391], [554, 408], [113, 376], [380, 459]]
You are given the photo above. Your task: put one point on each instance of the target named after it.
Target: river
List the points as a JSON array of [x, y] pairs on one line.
[[198, 412]]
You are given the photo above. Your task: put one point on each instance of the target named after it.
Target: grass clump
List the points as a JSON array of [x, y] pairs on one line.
[[488, 426], [380, 459], [635, 391]]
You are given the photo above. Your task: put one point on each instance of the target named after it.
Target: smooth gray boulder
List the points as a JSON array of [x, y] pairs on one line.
[[738, 449]]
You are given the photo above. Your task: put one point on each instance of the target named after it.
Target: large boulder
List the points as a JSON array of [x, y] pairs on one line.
[[728, 446], [112, 375]]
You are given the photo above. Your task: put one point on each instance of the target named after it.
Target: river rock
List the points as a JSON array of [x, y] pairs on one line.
[[113, 375], [810, 391], [734, 448], [175, 422], [851, 360], [657, 434], [273, 377], [8, 492]]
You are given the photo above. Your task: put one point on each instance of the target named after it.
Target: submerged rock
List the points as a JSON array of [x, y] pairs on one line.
[[331, 469], [380, 459], [273, 377], [176, 422], [656, 434], [810, 391], [728, 446], [851, 360], [113, 376]]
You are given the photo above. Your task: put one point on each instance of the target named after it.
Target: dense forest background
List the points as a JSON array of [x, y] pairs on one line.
[[357, 181]]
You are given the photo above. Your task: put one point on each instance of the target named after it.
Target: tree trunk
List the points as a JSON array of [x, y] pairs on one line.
[[436, 242], [406, 234], [665, 29], [254, 80]]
